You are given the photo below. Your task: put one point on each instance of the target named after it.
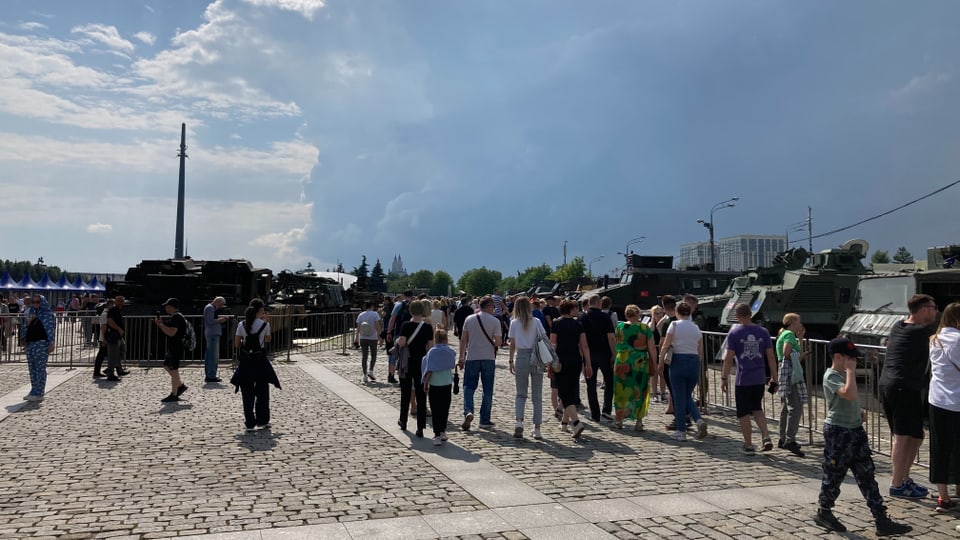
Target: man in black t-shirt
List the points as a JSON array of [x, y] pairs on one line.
[[901, 390], [174, 328], [116, 342], [551, 313], [669, 303], [599, 332]]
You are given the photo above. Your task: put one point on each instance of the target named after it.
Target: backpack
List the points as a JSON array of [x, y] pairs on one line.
[[189, 337], [402, 317], [251, 348], [367, 330], [100, 307]]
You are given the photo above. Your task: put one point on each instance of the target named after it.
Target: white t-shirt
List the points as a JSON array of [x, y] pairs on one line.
[[436, 317], [257, 323], [945, 370], [371, 318], [479, 347], [686, 336], [525, 339]]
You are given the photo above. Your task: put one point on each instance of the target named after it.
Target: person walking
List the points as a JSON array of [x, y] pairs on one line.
[[39, 338], [599, 331], [416, 336], [659, 384], [174, 329], [437, 380], [524, 332], [686, 342], [212, 330], [901, 387], [750, 345], [633, 367], [567, 337], [116, 340], [479, 340], [369, 327], [254, 373], [792, 390], [944, 399], [102, 319], [845, 444], [669, 305]]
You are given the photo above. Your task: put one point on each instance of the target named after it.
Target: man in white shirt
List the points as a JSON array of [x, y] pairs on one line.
[[479, 341]]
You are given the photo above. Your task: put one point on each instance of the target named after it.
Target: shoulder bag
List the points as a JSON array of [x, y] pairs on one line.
[[544, 354], [484, 330], [403, 353]]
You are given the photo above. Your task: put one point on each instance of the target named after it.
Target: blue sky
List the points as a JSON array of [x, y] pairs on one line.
[[466, 134]]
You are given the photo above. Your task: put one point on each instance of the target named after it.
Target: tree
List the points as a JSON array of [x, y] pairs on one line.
[[396, 283], [902, 256], [510, 283], [361, 273], [421, 279], [530, 277], [442, 282], [880, 257], [377, 278], [573, 269], [479, 281]]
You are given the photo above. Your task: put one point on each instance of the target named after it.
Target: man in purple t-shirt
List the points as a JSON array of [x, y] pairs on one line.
[[751, 346]]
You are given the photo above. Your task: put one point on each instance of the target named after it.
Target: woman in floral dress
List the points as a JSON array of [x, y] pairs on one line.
[[635, 364]]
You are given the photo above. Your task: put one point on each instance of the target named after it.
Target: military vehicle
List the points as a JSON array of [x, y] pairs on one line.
[[821, 291], [317, 294], [649, 277], [195, 283], [882, 298]]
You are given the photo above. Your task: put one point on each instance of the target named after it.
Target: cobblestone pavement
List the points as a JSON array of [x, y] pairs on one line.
[[13, 376], [99, 460]]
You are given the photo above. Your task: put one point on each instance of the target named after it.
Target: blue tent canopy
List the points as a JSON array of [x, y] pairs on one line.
[[27, 282], [95, 285], [7, 282], [79, 285], [62, 283], [46, 283]]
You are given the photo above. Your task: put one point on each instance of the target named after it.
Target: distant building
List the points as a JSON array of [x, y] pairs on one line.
[[736, 253], [397, 266]]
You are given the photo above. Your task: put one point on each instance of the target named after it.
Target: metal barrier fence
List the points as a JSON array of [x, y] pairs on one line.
[[811, 424], [77, 338]]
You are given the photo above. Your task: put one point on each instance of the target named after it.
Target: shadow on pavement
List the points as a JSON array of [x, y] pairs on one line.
[[262, 440]]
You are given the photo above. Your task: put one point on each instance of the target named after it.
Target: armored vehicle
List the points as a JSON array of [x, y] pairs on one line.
[[195, 283], [882, 298], [316, 293], [649, 277], [822, 292]]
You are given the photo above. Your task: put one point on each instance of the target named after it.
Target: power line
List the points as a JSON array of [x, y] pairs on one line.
[[888, 212]]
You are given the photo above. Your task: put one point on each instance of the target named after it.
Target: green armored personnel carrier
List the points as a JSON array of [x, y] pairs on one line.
[[882, 298], [822, 291]]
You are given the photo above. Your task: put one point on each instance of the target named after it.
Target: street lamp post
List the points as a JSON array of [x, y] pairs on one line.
[[636, 240], [729, 203], [590, 266]]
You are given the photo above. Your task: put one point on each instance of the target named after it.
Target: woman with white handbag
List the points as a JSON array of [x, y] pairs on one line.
[[525, 330]]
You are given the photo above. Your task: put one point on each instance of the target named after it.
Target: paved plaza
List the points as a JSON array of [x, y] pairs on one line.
[[108, 460]]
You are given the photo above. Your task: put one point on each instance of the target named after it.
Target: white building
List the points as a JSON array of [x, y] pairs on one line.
[[736, 253]]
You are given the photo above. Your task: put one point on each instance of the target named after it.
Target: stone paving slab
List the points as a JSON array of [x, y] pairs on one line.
[[111, 459], [13, 376]]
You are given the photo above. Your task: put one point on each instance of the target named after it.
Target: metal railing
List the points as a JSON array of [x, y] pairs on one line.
[[814, 366], [77, 335]]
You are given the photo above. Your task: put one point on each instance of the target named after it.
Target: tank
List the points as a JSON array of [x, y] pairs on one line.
[[822, 291], [649, 277], [882, 298], [316, 293], [195, 283]]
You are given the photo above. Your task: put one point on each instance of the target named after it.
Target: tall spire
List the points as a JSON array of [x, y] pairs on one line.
[[182, 154]]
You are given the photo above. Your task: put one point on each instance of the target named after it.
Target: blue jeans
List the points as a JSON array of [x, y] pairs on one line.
[[474, 372], [684, 374], [211, 357]]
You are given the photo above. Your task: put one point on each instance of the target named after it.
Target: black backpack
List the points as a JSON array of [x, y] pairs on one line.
[[251, 349], [402, 317]]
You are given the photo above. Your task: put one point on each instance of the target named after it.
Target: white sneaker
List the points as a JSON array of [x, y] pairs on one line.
[[443, 436], [437, 441], [578, 429], [370, 375], [536, 434], [366, 378], [701, 429], [518, 430], [679, 436], [32, 397]]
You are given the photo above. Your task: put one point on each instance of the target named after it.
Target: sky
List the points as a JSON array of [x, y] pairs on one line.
[[465, 134]]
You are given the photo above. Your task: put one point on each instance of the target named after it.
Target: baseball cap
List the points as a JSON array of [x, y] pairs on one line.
[[843, 346], [171, 302]]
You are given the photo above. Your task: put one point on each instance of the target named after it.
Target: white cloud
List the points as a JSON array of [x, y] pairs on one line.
[[107, 35], [148, 8], [307, 8], [99, 228], [921, 84], [286, 245], [146, 37], [32, 25]]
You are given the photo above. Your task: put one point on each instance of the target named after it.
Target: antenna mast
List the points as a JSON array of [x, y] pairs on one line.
[[182, 154]]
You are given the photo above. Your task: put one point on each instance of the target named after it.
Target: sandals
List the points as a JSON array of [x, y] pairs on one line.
[[639, 427], [767, 444]]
